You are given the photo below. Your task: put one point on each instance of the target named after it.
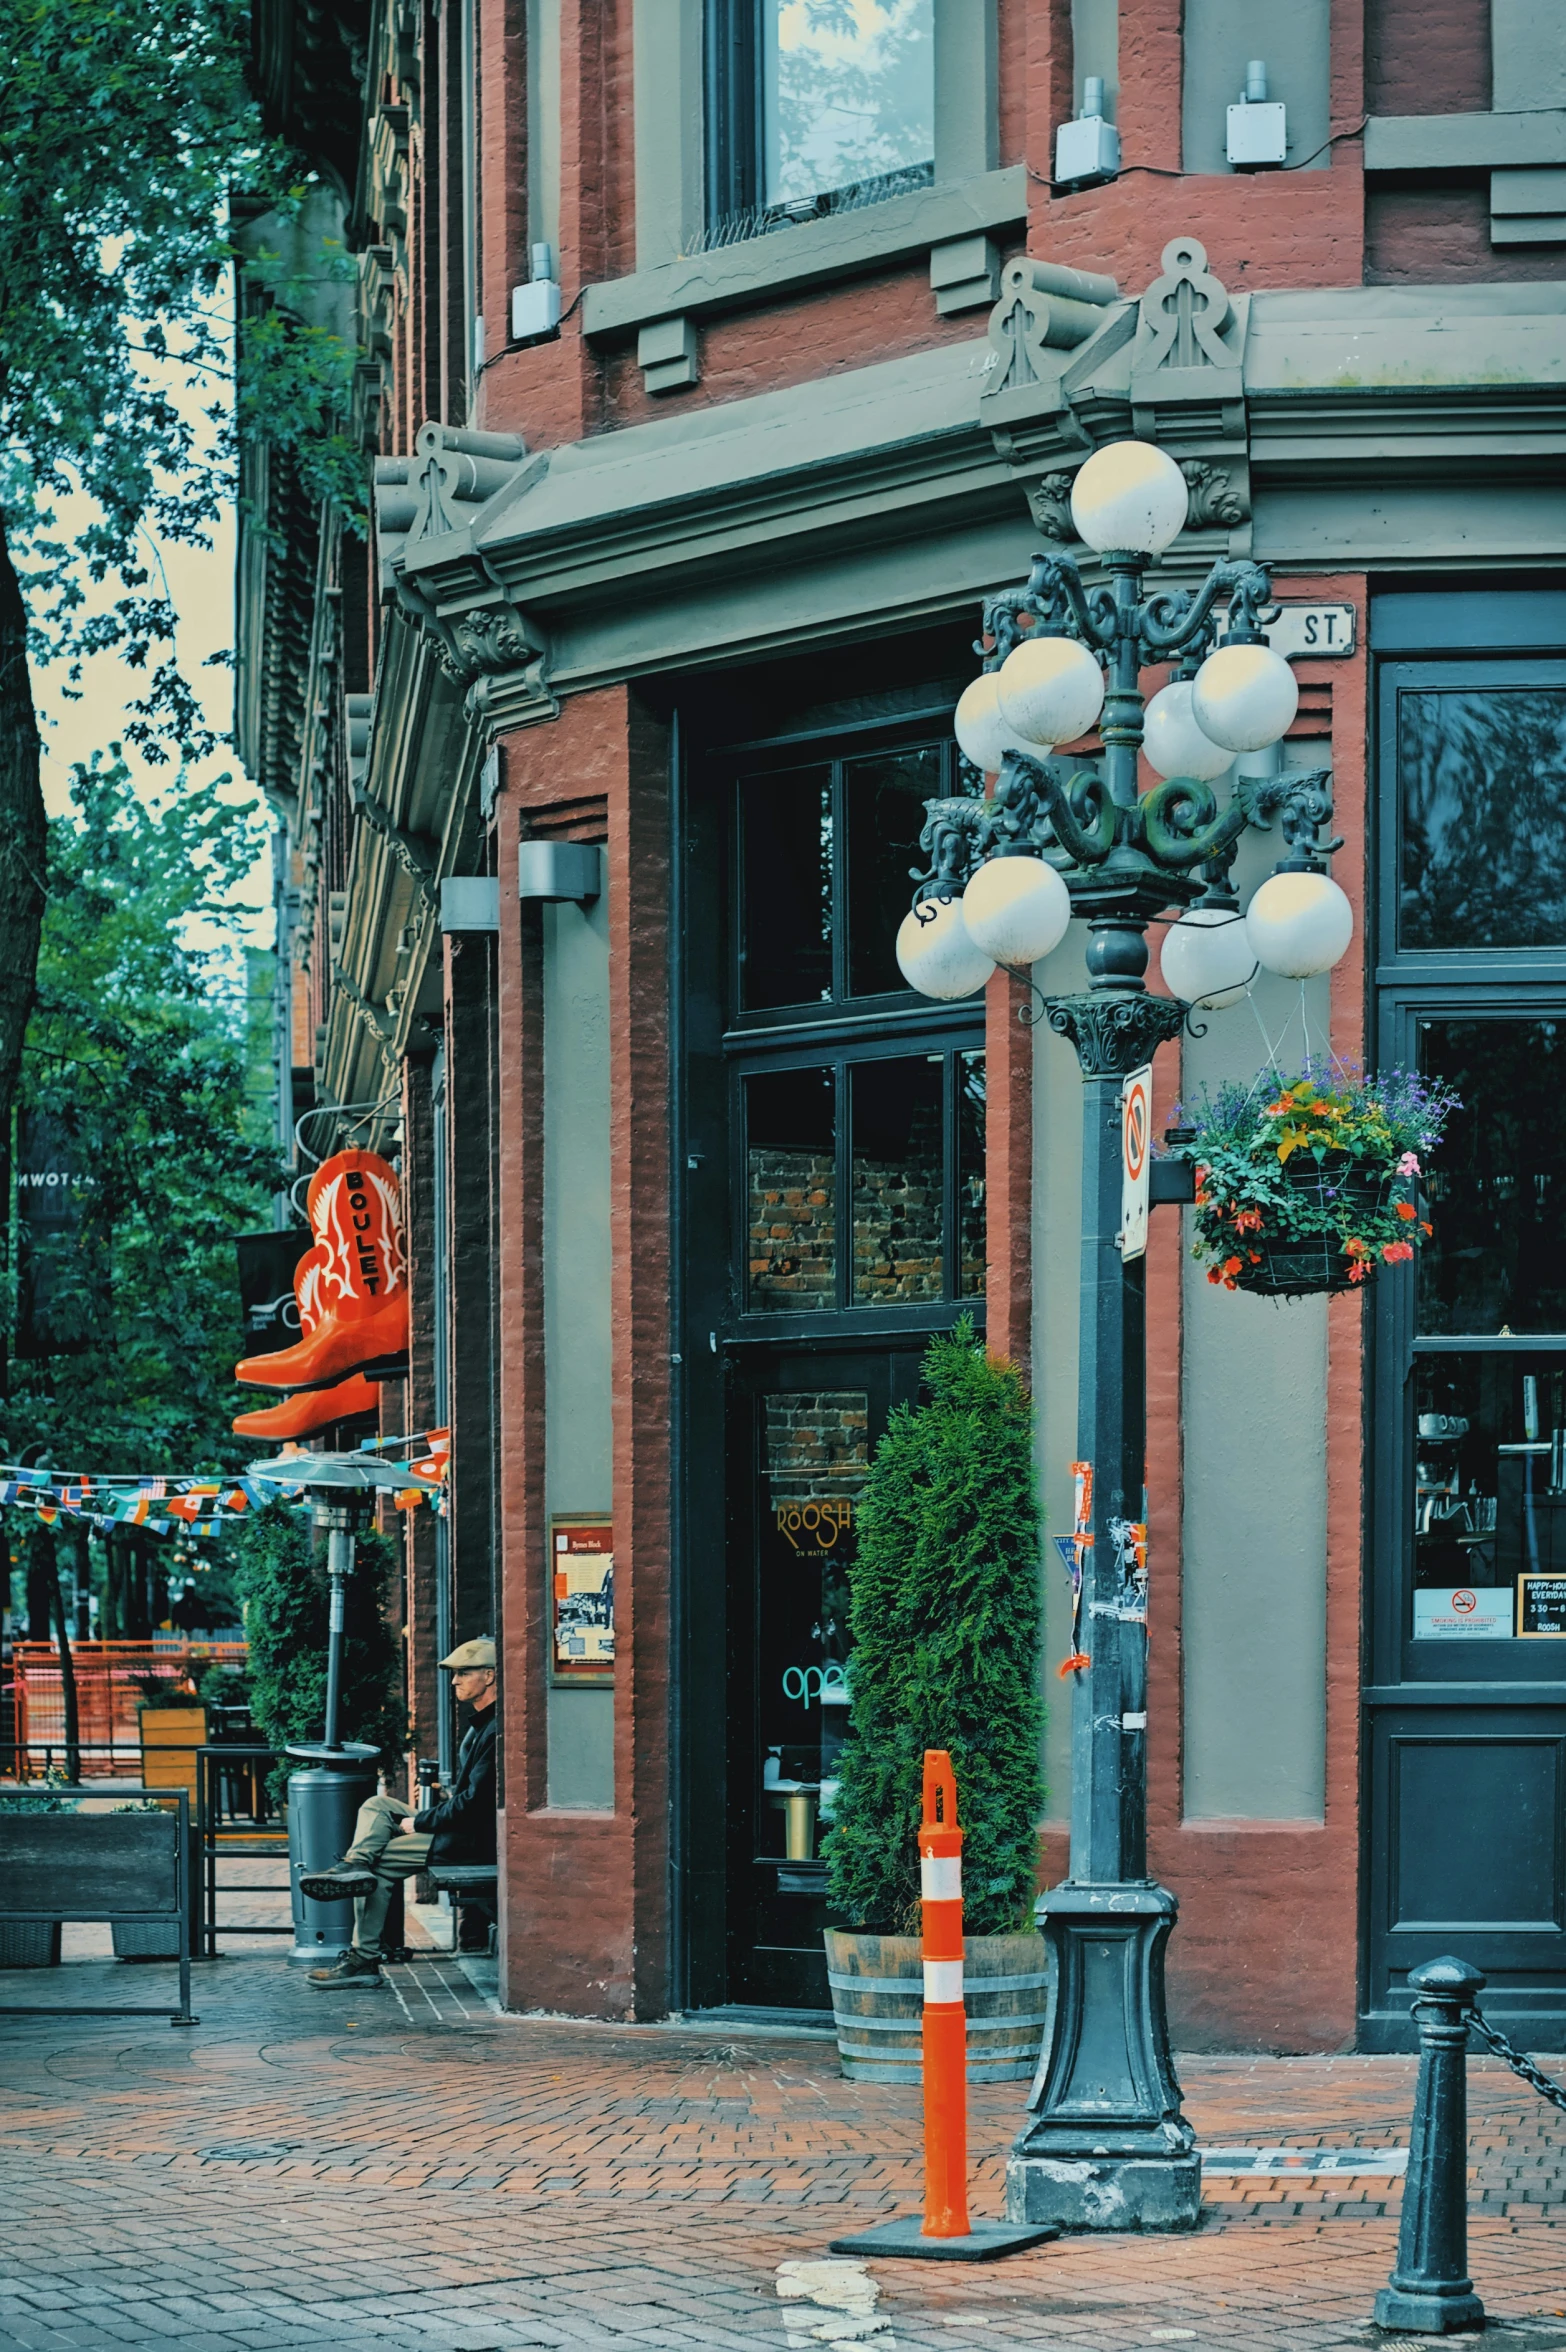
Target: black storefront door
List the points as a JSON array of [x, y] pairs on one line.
[[802, 1428], [1466, 1700]]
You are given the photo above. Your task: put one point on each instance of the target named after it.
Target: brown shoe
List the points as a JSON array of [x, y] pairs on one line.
[[340, 1884], [352, 1969]]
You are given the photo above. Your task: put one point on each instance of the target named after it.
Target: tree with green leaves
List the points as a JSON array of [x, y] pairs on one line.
[[946, 1614], [282, 1577], [125, 127], [136, 1061]]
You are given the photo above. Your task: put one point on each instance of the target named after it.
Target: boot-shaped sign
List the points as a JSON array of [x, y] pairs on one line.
[[354, 1280]]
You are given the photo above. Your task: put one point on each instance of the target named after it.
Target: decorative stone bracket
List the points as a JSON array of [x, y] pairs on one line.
[[1073, 366]]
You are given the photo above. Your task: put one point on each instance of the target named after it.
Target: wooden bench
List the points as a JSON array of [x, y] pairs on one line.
[[99, 1866], [473, 1883]]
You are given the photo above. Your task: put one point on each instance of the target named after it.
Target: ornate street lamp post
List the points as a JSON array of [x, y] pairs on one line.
[[1108, 2147]]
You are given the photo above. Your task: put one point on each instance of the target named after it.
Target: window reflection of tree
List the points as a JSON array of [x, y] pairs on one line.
[[1482, 776], [852, 93]]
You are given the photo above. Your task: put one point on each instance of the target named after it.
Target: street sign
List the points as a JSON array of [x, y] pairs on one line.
[[1136, 1151], [1307, 632]]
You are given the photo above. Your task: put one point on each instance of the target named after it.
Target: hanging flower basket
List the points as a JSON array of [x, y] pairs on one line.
[[1311, 1187]]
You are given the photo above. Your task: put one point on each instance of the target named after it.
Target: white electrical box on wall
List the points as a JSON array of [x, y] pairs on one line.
[[1087, 149], [1257, 134]]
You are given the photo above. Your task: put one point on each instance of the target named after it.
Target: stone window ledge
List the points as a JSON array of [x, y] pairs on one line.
[[1464, 142], [790, 260]]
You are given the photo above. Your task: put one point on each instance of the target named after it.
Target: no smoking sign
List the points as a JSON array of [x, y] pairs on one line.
[[1136, 1137]]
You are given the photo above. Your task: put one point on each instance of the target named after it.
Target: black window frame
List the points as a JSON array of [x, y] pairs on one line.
[[1420, 641]]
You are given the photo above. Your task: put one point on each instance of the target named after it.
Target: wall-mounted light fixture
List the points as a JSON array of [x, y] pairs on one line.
[[560, 870], [1087, 151], [1258, 129]]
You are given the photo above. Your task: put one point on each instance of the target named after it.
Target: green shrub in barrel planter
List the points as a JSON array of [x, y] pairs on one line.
[[946, 1611]]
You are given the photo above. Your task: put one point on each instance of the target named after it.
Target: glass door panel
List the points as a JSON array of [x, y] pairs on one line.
[[803, 1428], [1496, 1259]]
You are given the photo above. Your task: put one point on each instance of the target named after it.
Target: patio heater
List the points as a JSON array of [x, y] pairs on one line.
[[334, 1775]]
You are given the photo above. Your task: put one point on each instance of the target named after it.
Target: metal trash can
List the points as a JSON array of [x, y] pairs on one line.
[[323, 1799]]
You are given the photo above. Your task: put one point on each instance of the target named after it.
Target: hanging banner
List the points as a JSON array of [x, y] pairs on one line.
[[56, 1294], [267, 1265]]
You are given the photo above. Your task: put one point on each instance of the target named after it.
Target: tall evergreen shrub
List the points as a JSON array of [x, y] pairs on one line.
[[947, 1618], [282, 1580]]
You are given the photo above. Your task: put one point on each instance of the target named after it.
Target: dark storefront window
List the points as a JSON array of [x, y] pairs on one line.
[[1481, 773], [786, 836], [883, 802], [1497, 1187], [791, 1190]]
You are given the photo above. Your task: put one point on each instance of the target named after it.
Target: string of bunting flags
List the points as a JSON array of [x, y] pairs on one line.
[[170, 1504]]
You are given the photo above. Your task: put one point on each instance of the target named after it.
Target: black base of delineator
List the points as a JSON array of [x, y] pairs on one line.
[[985, 2242]]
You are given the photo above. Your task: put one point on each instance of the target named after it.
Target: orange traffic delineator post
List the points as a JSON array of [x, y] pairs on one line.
[[945, 2234]]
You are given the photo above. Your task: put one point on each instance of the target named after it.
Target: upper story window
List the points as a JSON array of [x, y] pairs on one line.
[[815, 106]]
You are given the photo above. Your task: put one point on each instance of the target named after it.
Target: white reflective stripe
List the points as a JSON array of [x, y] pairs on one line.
[[943, 1980], [940, 1878]]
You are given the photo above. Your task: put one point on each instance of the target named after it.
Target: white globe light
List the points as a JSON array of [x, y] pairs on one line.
[[1207, 957], [1174, 743], [1244, 697], [935, 953], [1299, 924], [1130, 495], [1017, 909], [982, 734], [1051, 690]]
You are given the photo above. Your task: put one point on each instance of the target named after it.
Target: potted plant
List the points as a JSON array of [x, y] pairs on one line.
[[30, 1943], [1311, 1185], [946, 1618]]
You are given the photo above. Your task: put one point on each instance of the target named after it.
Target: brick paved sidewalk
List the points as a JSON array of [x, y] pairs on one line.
[[403, 2170]]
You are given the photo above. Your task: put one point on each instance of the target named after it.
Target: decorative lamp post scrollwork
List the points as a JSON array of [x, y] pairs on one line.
[[1108, 2146]]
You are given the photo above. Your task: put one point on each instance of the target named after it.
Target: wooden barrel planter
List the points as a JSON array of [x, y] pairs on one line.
[[1294, 1265], [878, 2005]]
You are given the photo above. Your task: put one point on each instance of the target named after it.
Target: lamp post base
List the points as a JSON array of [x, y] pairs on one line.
[[1105, 2192], [1429, 2315], [1107, 2147]]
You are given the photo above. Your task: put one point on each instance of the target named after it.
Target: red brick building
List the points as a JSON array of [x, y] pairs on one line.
[[715, 363]]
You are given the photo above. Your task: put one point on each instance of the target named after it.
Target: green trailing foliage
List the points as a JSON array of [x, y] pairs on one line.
[[283, 1581], [947, 1620]]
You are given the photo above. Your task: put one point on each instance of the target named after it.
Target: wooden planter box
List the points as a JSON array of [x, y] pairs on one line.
[[170, 1737]]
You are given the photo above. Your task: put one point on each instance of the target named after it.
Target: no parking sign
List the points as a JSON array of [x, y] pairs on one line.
[[1136, 1151]]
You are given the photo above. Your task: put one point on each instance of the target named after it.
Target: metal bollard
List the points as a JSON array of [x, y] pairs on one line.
[[1430, 2292]]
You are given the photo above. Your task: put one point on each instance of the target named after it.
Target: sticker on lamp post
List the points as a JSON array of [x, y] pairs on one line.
[[1136, 1138]]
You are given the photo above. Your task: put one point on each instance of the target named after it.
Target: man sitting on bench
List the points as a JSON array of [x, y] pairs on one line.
[[392, 1842]]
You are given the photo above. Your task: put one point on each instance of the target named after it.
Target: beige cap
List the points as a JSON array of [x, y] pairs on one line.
[[472, 1653]]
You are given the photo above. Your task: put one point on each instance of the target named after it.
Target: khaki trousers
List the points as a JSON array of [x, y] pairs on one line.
[[379, 1846]]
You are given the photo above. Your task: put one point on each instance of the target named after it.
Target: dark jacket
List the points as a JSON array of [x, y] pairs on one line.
[[462, 1825]]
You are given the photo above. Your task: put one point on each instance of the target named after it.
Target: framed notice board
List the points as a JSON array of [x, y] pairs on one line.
[[581, 1599], [1541, 1606]]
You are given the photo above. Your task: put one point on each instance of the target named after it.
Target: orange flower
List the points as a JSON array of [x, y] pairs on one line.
[[1359, 1271], [1406, 1211], [1247, 1220], [1425, 1226], [1395, 1252], [1232, 1266]]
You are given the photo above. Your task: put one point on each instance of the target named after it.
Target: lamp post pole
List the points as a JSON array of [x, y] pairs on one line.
[[1107, 2146]]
